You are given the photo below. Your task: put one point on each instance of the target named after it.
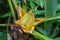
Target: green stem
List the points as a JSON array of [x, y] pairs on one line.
[[11, 8], [39, 35], [52, 18], [15, 4], [8, 23]]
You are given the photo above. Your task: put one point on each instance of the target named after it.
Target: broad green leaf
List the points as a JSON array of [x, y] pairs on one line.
[[57, 38], [50, 11]]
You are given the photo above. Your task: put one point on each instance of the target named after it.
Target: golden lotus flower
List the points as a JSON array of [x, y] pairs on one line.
[[27, 21]]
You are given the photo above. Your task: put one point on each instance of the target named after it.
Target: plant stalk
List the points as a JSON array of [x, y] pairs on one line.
[[11, 8], [39, 35]]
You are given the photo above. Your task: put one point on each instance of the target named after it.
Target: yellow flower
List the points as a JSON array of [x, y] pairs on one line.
[[27, 21]]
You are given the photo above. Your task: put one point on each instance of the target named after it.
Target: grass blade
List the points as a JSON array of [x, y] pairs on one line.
[[50, 11]]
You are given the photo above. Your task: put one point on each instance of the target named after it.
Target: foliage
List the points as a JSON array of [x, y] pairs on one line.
[[47, 30]]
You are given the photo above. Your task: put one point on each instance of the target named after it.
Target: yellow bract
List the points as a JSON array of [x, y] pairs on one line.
[[27, 21]]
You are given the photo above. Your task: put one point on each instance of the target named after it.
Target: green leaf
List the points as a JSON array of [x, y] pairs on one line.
[[24, 7], [3, 35], [58, 7], [39, 2], [57, 38], [40, 30], [55, 32], [32, 5], [50, 11], [39, 36], [39, 12], [4, 15], [58, 20], [58, 14], [58, 1], [19, 1]]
